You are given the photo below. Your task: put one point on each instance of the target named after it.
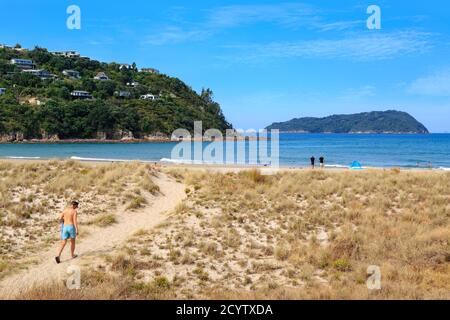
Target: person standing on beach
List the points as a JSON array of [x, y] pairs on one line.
[[69, 229], [322, 162], [313, 162]]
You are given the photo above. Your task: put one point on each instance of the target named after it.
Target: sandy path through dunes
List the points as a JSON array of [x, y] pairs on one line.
[[97, 242]]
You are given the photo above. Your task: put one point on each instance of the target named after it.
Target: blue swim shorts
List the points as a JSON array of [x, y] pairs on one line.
[[68, 232]]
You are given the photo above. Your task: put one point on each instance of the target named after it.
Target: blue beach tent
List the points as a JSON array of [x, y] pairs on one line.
[[356, 165]]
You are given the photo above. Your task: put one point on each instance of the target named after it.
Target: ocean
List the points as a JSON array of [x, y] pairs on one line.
[[339, 150]]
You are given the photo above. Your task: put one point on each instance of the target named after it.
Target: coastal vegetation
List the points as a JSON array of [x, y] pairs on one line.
[[32, 195], [37, 108], [292, 235], [368, 122]]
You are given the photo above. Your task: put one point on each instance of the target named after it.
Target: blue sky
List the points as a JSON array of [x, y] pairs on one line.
[[265, 61]]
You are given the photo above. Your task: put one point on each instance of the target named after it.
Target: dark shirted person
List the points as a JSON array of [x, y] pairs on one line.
[[322, 162], [313, 162]]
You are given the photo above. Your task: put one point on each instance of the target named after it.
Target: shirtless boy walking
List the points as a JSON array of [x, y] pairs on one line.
[[69, 229]]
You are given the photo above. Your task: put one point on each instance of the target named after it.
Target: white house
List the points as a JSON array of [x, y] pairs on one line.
[[150, 70], [2, 91], [43, 74], [67, 54], [71, 74], [23, 63], [77, 94], [125, 66], [149, 96], [101, 76], [122, 94], [133, 84]]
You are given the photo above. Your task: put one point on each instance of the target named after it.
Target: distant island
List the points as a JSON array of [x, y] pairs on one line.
[[391, 122], [63, 96]]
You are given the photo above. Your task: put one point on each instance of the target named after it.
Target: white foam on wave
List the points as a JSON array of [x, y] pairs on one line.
[[180, 161], [98, 159], [444, 168], [202, 162], [24, 158], [108, 160], [336, 166]]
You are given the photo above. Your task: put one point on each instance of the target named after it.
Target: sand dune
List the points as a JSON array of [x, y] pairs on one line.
[[97, 242], [189, 232]]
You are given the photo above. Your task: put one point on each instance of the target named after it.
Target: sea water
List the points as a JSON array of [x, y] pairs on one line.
[[339, 150]]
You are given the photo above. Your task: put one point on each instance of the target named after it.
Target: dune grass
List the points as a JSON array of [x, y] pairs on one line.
[[306, 234], [104, 220], [32, 194], [294, 235]]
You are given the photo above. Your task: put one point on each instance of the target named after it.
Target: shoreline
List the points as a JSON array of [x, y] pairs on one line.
[[218, 167], [130, 140], [163, 139], [86, 141]]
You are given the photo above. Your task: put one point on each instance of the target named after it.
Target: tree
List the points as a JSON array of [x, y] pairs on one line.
[[82, 119], [105, 89], [207, 95], [40, 56], [88, 85], [50, 116], [102, 117]]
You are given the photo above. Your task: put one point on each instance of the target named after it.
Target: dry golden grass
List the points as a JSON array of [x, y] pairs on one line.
[[304, 234], [294, 235], [33, 194], [104, 220], [97, 285]]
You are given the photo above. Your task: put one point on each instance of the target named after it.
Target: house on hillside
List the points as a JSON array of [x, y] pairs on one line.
[[101, 76], [123, 94], [77, 94], [150, 70], [71, 74], [133, 84], [149, 96], [42, 74], [5, 46], [23, 63], [125, 66], [2, 91], [67, 54], [34, 101]]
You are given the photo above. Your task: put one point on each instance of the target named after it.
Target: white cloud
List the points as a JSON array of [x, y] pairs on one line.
[[173, 34], [437, 84], [105, 41], [285, 15], [362, 92], [373, 46], [289, 15]]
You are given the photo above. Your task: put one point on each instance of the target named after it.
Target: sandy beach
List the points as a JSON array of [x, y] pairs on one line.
[[164, 231], [217, 167]]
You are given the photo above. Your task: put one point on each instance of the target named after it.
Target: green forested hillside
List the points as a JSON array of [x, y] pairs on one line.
[[32, 108], [368, 122]]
